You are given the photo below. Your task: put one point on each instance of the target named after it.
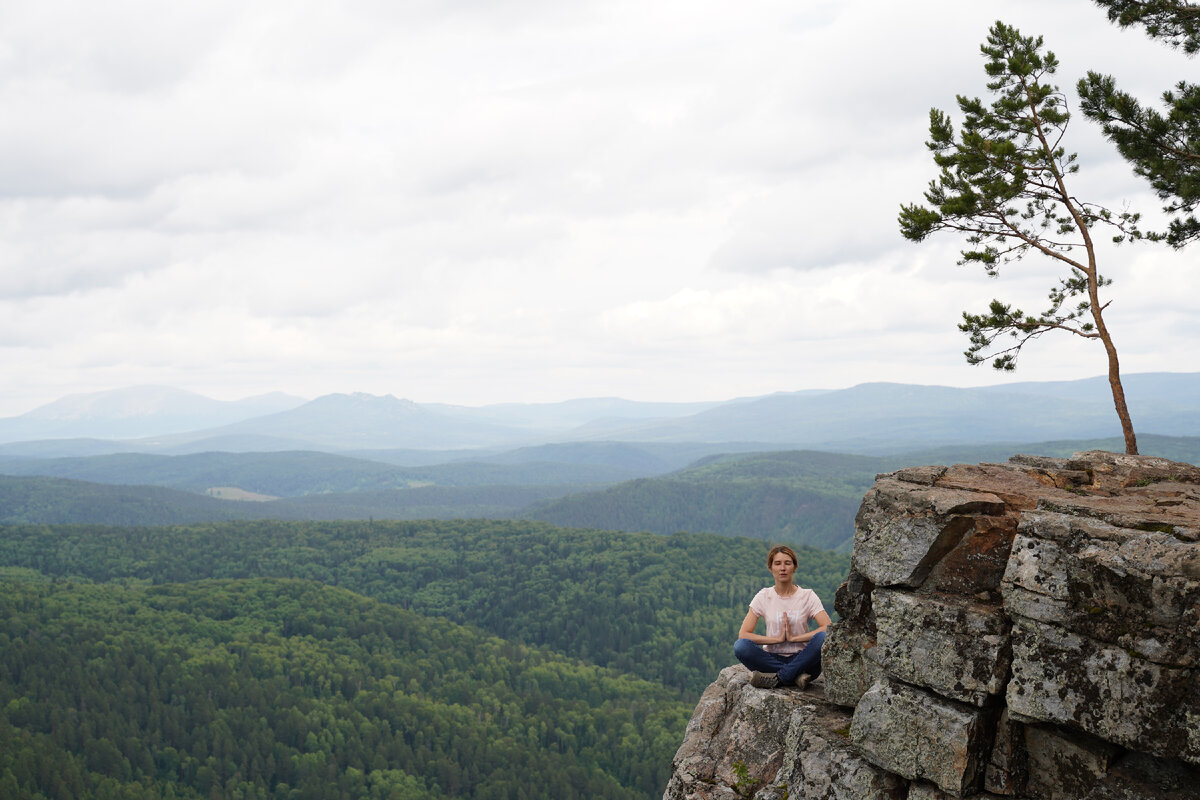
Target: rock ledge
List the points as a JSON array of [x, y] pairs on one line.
[[1028, 630]]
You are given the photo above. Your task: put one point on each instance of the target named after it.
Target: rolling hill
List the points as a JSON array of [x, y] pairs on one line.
[[869, 419], [799, 497]]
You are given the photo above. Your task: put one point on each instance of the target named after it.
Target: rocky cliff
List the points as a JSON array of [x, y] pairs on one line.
[[1021, 630]]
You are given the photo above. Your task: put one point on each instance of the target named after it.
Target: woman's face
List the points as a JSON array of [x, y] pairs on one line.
[[782, 567]]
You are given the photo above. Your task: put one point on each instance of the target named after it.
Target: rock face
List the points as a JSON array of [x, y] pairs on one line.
[[1028, 630]]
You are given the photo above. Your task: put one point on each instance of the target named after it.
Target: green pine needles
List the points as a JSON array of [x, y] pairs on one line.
[[1174, 21], [1163, 147], [1002, 183]]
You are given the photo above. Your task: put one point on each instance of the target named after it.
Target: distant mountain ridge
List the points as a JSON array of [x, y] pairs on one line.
[[879, 418], [869, 419], [137, 411]]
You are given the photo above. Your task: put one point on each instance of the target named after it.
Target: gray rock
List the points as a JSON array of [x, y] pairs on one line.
[[1135, 776], [1128, 588], [903, 529], [1111, 693], [1065, 766], [919, 736], [852, 601], [831, 769], [735, 727], [848, 663], [927, 791], [952, 646], [1008, 765], [1081, 575]]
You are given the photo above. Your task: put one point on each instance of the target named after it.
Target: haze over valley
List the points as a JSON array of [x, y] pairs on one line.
[[785, 467]]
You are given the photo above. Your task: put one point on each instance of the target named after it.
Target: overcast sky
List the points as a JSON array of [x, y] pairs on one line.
[[479, 201]]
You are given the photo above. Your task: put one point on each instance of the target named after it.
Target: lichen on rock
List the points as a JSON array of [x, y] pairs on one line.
[[1028, 630]]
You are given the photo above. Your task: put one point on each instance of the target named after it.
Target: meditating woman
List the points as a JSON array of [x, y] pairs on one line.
[[789, 653]]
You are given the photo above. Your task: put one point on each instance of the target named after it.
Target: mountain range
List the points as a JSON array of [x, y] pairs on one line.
[[871, 418]]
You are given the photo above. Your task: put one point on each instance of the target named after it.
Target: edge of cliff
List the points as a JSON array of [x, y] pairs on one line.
[[1020, 630]]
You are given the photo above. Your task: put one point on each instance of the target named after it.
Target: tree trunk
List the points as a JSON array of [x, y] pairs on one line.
[[1114, 366], [1118, 393], [1114, 379]]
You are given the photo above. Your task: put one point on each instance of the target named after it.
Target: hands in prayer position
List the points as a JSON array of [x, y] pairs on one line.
[[787, 634]]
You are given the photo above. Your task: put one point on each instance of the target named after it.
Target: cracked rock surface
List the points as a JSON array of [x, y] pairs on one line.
[[1020, 630]]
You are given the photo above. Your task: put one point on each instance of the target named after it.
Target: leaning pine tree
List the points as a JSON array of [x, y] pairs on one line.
[[1003, 183]]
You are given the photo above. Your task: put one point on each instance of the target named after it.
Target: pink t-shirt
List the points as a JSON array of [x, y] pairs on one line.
[[800, 607]]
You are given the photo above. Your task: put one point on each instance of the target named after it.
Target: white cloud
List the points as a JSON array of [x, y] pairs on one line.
[[476, 202]]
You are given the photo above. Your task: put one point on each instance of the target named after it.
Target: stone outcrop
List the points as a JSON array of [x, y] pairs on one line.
[[1028, 630]]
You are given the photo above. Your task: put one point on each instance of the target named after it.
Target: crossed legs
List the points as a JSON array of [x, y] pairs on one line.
[[787, 667]]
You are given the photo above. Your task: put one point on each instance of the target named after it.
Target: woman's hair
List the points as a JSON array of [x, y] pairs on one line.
[[787, 551]]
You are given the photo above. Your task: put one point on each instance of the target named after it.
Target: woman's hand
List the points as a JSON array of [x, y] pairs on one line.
[[823, 622], [787, 631], [747, 631]]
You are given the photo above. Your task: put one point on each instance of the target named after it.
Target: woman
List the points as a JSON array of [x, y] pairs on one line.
[[789, 653]]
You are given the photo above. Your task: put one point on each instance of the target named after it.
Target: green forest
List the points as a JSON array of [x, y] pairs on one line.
[[426, 659], [801, 497]]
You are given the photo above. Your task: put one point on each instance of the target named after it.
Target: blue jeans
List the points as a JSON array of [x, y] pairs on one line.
[[788, 667]]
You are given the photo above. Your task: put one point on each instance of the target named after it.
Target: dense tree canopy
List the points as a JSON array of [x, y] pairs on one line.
[[409, 660], [268, 688], [664, 608]]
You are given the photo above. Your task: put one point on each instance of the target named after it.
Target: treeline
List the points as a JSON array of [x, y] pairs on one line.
[[287, 689], [761, 508], [798, 496], [296, 473], [59, 501], [663, 608]]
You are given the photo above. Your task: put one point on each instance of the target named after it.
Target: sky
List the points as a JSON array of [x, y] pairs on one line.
[[479, 202]]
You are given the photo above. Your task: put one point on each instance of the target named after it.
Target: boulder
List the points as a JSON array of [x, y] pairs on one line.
[[952, 646], [1111, 693], [921, 736], [734, 740], [903, 529], [848, 663], [831, 768]]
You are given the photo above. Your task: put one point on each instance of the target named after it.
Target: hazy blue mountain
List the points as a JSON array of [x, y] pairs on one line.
[[356, 421], [64, 448], [136, 411], [573, 413], [880, 418], [644, 458], [872, 418]]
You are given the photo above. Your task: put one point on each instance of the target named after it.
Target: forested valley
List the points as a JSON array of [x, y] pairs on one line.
[[273, 659], [799, 497]]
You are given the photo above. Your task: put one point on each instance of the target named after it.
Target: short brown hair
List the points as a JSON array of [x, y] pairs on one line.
[[783, 548]]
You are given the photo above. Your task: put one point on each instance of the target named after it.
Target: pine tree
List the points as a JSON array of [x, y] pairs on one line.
[[1163, 147], [1175, 21], [1003, 183]]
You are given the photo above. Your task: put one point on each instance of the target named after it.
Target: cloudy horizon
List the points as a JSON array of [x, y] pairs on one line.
[[524, 201]]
